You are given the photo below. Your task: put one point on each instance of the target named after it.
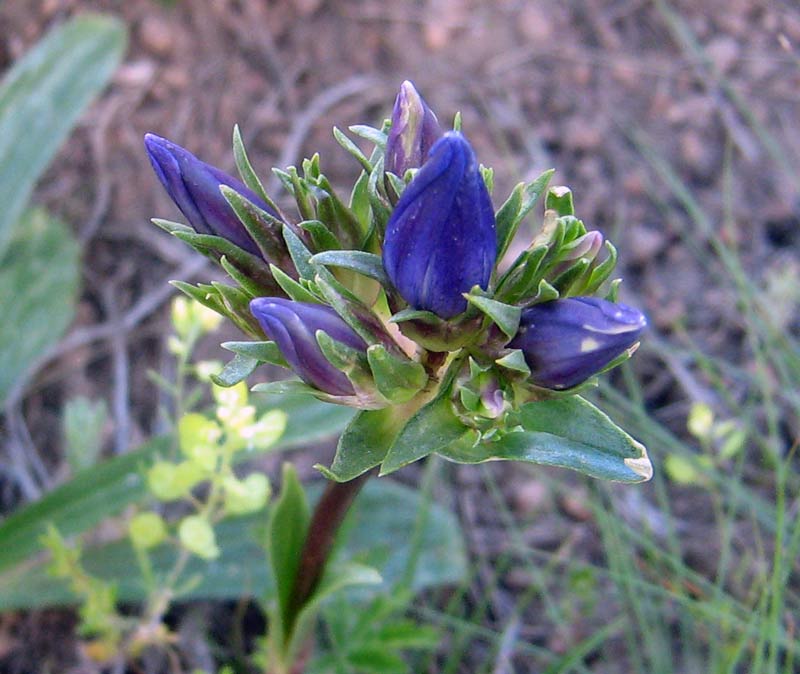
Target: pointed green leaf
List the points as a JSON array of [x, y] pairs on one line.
[[352, 149], [245, 169], [41, 98], [364, 263], [265, 352], [568, 432], [511, 214], [369, 133], [292, 288], [504, 316], [321, 236], [434, 426], [236, 370]]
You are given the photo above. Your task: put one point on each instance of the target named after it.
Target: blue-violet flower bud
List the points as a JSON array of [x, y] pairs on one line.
[[293, 327], [440, 239], [567, 341], [194, 187], [413, 132]]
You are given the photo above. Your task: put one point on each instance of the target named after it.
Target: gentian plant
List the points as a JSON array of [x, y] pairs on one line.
[[414, 301]]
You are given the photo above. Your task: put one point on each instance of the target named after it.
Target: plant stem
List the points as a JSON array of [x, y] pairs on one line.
[[328, 515]]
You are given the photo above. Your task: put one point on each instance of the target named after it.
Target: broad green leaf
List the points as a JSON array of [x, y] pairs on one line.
[[433, 427], [83, 424], [38, 287], [41, 98], [568, 432]]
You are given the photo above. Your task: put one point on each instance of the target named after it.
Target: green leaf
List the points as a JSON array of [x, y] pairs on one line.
[[245, 168], [366, 440], [292, 288], [397, 379], [376, 533], [568, 432], [511, 214], [369, 133], [41, 99], [107, 488], [321, 237], [515, 361], [38, 288], [352, 148], [434, 426], [237, 369], [504, 316], [265, 352], [364, 263], [286, 535]]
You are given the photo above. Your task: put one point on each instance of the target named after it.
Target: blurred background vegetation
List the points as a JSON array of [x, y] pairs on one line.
[[676, 125]]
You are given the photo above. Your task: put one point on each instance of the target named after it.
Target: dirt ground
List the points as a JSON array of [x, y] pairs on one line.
[[585, 87]]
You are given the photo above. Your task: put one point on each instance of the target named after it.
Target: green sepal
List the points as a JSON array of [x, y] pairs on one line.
[[572, 276], [613, 291], [296, 291], [488, 177], [344, 358], [301, 192], [311, 168], [367, 264], [263, 352], [209, 297], [321, 237], [515, 361], [521, 201], [289, 387], [246, 171], [247, 284], [300, 254], [397, 379], [381, 210], [217, 247], [337, 216], [559, 199], [237, 369], [238, 304], [359, 201], [603, 270], [433, 427], [568, 432], [522, 276], [171, 226], [504, 316], [370, 133], [411, 314], [544, 293], [263, 227], [351, 148], [354, 313]]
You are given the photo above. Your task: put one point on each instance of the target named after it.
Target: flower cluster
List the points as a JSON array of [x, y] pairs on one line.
[[410, 292]]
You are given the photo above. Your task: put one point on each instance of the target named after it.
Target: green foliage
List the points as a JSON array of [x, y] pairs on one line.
[[41, 98], [83, 423], [37, 297]]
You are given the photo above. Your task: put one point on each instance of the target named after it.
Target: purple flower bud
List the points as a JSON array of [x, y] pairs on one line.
[[567, 341], [194, 187], [414, 131], [440, 240], [293, 327]]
